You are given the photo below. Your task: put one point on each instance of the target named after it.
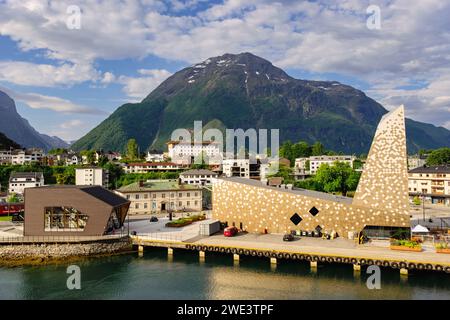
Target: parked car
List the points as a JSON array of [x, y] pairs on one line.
[[230, 231], [154, 219], [288, 237]]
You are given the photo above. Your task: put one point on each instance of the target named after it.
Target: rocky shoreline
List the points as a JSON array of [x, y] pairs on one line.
[[31, 254]]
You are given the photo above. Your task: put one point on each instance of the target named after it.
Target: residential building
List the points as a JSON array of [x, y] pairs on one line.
[[416, 162], [154, 157], [301, 164], [91, 176], [156, 196], [21, 157], [379, 207], [152, 167], [198, 177], [432, 183], [185, 153], [73, 211], [236, 168], [19, 181], [74, 159], [5, 156], [246, 168]]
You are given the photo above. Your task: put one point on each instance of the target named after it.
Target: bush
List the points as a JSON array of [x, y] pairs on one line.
[[182, 222], [442, 245], [406, 243]]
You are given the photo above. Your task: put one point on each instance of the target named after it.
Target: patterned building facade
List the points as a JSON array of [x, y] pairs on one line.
[[380, 203]]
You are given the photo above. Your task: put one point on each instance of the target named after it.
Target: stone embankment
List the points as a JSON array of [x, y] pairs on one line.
[[18, 254]]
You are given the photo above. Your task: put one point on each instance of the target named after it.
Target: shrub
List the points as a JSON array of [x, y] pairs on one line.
[[406, 243], [442, 245]]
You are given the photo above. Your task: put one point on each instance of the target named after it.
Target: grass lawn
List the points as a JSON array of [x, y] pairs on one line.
[[5, 218]]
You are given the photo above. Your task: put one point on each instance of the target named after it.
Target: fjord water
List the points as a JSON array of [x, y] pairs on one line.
[[156, 276]]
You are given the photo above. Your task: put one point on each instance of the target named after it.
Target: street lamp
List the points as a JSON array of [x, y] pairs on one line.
[[423, 206]]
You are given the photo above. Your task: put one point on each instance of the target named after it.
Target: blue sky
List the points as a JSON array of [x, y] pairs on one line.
[[65, 81]]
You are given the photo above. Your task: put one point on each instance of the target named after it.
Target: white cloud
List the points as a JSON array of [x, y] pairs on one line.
[[75, 123], [39, 101], [139, 87], [412, 46], [45, 75]]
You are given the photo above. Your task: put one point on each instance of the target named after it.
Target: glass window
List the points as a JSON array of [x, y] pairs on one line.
[[137, 197], [64, 219]]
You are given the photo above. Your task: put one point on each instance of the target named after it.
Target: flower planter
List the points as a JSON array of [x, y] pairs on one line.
[[443, 250], [403, 248]]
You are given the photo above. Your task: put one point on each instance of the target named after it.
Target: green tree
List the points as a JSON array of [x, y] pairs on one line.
[[339, 177], [439, 157], [102, 160], [132, 149], [115, 174], [285, 172], [13, 198], [317, 149], [90, 156], [286, 150]]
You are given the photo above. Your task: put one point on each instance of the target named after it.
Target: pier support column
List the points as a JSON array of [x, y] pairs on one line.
[[357, 267], [313, 264], [235, 257], [170, 251], [273, 261], [141, 250], [201, 254], [404, 272]]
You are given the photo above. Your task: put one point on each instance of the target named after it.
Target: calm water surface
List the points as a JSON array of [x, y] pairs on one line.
[[155, 276]]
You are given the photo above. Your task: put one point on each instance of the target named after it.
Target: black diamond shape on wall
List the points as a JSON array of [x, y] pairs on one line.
[[296, 219], [314, 211]]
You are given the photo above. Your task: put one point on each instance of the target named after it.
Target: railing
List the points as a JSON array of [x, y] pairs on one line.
[[159, 236], [56, 239]]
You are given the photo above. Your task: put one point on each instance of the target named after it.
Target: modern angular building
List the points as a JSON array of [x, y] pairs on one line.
[[379, 207], [73, 211]]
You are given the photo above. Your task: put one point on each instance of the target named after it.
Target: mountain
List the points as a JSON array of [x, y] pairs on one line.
[[19, 130], [6, 143], [246, 91]]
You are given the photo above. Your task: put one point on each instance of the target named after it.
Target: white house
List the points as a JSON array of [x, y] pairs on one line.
[[91, 176], [26, 156], [431, 182], [316, 161], [19, 181], [154, 157], [152, 167], [198, 177], [186, 152]]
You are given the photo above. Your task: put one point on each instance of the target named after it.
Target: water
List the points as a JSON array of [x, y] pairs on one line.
[[155, 276]]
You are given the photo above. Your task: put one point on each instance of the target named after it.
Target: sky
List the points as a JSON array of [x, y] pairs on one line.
[[69, 64]]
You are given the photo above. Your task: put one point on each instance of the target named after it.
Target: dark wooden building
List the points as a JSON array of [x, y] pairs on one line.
[[73, 210]]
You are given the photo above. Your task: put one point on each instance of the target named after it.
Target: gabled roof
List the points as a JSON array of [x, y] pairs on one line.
[[26, 175]]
